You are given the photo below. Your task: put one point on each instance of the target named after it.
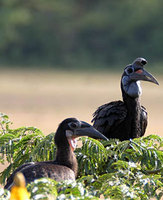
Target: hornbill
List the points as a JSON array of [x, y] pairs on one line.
[[125, 119], [65, 165]]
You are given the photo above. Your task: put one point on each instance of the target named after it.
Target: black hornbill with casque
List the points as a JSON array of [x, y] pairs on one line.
[[65, 166], [125, 119]]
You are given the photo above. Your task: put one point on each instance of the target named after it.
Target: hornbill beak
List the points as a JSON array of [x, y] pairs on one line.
[[142, 74], [88, 130]]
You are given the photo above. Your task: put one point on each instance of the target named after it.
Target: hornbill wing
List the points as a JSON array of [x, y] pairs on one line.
[[32, 171], [11, 178], [109, 115], [143, 120]]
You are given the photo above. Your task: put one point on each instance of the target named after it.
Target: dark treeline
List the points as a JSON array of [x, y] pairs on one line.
[[80, 33]]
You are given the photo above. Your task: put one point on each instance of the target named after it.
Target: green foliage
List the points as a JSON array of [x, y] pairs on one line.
[[130, 169], [92, 157], [4, 194], [80, 33], [110, 169], [49, 189], [42, 188], [25, 144]]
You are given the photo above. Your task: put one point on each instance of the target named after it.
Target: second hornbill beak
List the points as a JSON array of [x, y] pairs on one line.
[[142, 74], [88, 130]]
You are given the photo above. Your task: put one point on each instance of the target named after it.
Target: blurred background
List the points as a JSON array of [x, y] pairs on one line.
[[64, 58]]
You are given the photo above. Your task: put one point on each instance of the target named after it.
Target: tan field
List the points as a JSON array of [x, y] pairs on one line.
[[43, 98]]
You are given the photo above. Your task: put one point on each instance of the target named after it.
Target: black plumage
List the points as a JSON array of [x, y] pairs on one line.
[[65, 166], [125, 119]]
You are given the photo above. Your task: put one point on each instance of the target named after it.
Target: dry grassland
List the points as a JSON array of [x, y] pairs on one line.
[[43, 98]]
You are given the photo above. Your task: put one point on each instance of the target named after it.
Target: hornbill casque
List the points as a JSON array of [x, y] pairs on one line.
[[65, 166], [125, 119]]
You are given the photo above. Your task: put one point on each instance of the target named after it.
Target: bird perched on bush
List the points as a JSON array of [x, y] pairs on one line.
[[125, 119], [65, 166]]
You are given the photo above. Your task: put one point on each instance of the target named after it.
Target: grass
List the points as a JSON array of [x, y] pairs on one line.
[[44, 98]]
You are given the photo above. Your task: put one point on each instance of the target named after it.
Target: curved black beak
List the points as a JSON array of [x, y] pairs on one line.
[[88, 130], [142, 74]]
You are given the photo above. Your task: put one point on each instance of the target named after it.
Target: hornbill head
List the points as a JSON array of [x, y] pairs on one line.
[[71, 128], [134, 73]]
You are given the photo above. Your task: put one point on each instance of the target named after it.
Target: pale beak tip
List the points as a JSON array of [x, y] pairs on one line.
[[156, 82]]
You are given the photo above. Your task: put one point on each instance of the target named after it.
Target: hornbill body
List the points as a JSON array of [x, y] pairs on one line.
[[65, 165], [125, 119]]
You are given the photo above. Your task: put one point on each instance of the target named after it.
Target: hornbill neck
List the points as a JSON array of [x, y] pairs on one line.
[[131, 102], [131, 99], [65, 156], [133, 114]]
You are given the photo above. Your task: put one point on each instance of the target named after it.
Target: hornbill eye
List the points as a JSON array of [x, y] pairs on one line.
[[129, 70], [73, 125]]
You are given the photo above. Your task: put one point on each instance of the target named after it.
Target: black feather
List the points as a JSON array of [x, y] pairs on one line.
[[122, 119]]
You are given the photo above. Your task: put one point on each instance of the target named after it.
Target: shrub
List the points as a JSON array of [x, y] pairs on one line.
[[110, 169]]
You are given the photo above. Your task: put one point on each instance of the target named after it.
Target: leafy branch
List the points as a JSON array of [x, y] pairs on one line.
[[111, 169]]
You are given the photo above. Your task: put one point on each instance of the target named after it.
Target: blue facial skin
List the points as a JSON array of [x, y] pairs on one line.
[[132, 88]]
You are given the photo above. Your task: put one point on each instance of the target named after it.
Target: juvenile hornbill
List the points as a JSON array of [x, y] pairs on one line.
[[65, 165], [125, 119]]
